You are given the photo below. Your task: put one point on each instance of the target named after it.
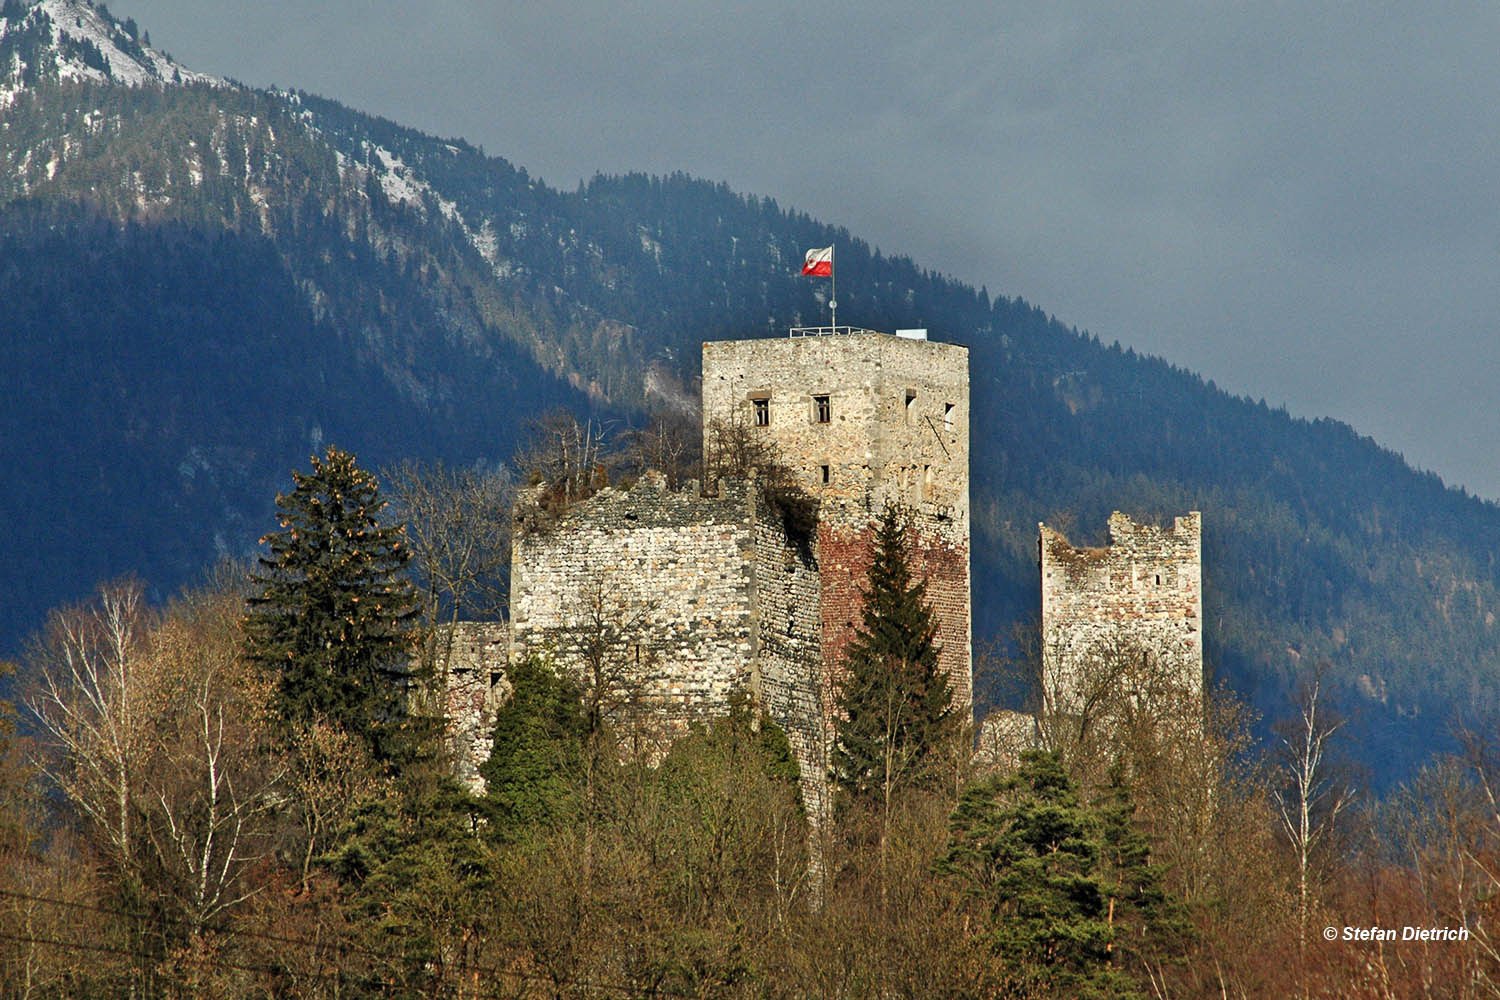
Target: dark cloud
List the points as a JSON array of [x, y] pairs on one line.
[[1295, 199]]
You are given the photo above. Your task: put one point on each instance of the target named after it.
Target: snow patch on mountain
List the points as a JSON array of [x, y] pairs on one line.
[[403, 184], [77, 41], [486, 242]]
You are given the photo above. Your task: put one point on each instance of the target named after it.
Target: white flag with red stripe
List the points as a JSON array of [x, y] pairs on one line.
[[819, 263]]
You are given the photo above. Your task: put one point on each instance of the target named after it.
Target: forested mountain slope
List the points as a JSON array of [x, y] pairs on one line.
[[202, 282]]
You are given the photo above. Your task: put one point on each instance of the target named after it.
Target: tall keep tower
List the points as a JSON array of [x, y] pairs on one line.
[[864, 418]]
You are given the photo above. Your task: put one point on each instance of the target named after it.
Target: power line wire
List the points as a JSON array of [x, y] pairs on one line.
[[342, 947]]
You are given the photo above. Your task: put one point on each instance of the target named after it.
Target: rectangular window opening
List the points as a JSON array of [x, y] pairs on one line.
[[911, 398], [822, 411], [823, 474], [762, 412], [947, 416]]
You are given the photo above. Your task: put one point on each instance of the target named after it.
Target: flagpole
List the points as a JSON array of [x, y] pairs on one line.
[[833, 295]]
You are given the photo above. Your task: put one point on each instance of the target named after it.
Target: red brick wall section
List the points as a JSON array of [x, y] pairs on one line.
[[844, 556]]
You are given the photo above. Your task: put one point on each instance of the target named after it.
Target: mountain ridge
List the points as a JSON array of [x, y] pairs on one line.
[[84, 42]]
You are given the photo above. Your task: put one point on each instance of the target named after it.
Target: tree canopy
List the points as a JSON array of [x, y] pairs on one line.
[[1054, 877], [332, 609], [895, 703]]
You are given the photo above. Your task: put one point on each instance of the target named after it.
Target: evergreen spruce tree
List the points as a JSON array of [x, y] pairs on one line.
[[895, 702], [418, 886], [332, 610], [1150, 925], [1058, 881]]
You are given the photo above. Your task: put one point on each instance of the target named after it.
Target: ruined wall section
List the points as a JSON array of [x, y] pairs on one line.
[[1142, 593], [713, 594], [473, 656], [666, 579], [897, 429], [788, 651]]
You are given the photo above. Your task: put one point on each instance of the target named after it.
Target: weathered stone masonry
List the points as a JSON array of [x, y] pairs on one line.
[[789, 618], [668, 575], [475, 655], [696, 595], [704, 592], [1144, 591], [865, 418]]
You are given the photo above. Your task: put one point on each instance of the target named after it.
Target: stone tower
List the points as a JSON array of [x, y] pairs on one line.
[[864, 418], [1140, 597]]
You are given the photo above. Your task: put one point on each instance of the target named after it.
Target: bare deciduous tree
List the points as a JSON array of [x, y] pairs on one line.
[[1310, 798], [208, 788], [92, 696], [458, 525], [159, 732], [1098, 698], [564, 456], [327, 773], [734, 449], [670, 443]]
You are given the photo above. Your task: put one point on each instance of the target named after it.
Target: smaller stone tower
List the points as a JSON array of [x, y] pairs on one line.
[[1141, 596]]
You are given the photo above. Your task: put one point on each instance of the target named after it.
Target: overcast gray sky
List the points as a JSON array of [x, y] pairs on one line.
[[1297, 200]]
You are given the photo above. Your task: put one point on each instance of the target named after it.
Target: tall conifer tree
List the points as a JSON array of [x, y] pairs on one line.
[[332, 610], [895, 701], [1067, 889]]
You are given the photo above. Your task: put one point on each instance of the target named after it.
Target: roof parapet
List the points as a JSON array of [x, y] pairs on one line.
[[827, 331]]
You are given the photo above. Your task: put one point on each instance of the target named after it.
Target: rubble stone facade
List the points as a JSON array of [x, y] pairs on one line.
[[1142, 593], [680, 598], [475, 655]]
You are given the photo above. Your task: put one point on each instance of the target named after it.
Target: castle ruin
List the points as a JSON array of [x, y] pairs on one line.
[[674, 599], [1139, 599], [685, 596]]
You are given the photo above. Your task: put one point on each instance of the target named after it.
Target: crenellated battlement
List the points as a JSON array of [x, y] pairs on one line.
[[1141, 596]]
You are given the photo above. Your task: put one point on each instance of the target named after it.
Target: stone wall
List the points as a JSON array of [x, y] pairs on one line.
[[473, 656], [683, 598], [897, 430], [1141, 596], [653, 587], [788, 662]]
